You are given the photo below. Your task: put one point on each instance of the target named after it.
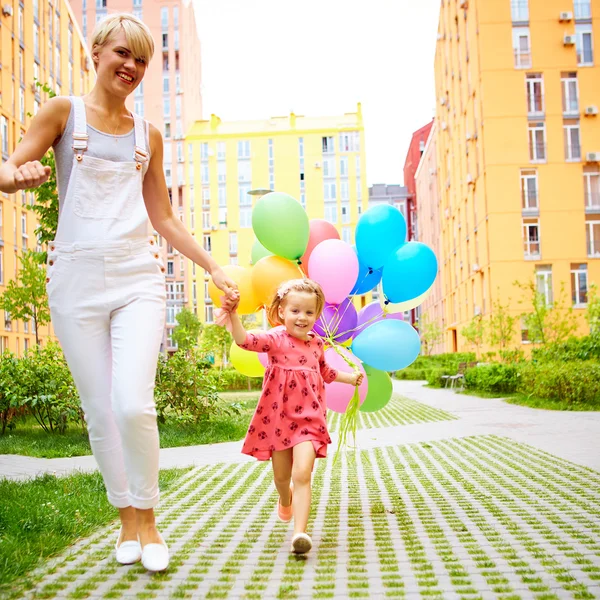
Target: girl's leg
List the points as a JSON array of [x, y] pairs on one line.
[[282, 474], [303, 461]]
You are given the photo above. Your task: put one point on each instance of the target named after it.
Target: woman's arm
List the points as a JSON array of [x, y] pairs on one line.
[[168, 225], [23, 170]]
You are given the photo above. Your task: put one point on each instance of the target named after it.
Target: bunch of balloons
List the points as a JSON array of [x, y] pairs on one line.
[[375, 339]]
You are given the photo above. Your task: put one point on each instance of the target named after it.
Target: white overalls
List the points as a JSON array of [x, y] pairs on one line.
[[106, 290]]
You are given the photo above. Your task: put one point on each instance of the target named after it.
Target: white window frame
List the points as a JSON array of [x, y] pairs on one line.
[[543, 281], [519, 11], [206, 219], [570, 104], [244, 149], [581, 30], [233, 242], [583, 9], [522, 55], [330, 209], [245, 217], [592, 241], [534, 145], [572, 148], [529, 201], [345, 213], [221, 150], [534, 87], [591, 184], [221, 172], [531, 244], [576, 288]]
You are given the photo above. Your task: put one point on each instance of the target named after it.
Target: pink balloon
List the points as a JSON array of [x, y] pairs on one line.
[[334, 265], [339, 394], [319, 231]]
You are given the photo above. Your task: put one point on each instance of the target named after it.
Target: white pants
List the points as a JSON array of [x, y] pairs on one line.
[[108, 308]]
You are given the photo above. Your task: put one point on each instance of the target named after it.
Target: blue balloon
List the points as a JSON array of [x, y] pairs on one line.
[[367, 278], [409, 272], [387, 345], [380, 231]]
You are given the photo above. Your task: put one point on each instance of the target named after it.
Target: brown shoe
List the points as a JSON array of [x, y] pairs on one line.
[[284, 513]]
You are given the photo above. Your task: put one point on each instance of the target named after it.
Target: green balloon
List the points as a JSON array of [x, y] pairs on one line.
[[258, 252], [380, 389], [281, 225]]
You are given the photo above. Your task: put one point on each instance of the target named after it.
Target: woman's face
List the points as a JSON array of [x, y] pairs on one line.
[[116, 67]]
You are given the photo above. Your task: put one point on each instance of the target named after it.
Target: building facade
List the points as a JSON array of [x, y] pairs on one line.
[[40, 41], [319, 161], [169, 97], [518, 137]]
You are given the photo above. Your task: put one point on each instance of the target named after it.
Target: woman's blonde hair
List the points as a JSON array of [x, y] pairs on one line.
[[137, 33], [307, 286]]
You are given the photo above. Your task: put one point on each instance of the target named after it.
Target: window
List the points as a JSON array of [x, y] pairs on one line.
[[583, 9], [181, 266], [221, 172], [222, 216], [301, 147], [345, 213], [139, 106], [328, 147], [244, 196], [579, 284], [246, 217], [221, 150], [331, 213], [535, 94], [570, 93], [176, 17], [591, 183], [166, 107], [572, 144], [222, 196], [519, 10], [349, 141], [543, 280], [244, 170], [166, 84], [537, 142], [208, 313], [206, 242], [233, 242], [584, 45], [1, 265], [244, 149], [592, 232], [329, 167], [206, 219], [4, 135], [344, 190], [203, 151], [531, 237], [347, 235], [204, 174], [330, 191], [529, 190], [170, 268], [344, 166], [36, 41], [521, 47], [165, 42], [22, 105], [164, 17]]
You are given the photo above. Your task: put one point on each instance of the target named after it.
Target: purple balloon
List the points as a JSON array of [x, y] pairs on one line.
[[372, 313], [337, 319]]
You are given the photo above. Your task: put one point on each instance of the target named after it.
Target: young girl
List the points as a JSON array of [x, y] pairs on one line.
[[289, 425]]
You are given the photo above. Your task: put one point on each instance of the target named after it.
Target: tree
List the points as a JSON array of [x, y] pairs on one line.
[[25, 297], [547, 323], [216, 340], [431, 333], [501, 326], [188, 329], [592, 313], [474, 332]]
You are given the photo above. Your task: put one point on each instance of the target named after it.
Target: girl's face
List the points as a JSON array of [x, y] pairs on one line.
[[298, 313], [116, 67]]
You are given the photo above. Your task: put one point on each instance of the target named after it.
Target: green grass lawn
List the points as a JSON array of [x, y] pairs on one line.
[[29, 439], [41, 517]]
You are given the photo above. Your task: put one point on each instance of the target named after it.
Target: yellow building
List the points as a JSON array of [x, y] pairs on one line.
[[518, 138], [320, 161], [39, 41]]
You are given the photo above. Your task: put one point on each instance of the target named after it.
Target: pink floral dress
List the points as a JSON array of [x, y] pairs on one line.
[[292, 407]]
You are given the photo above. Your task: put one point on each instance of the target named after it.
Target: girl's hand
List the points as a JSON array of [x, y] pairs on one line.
[[224, 283], [230, 304], [31, 175], [358, 378]]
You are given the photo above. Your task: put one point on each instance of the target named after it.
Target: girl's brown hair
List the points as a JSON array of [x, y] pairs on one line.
[[307, 286]]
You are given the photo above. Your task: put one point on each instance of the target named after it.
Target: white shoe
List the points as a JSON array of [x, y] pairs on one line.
[[129, 552], [301, 543], [155, 557]]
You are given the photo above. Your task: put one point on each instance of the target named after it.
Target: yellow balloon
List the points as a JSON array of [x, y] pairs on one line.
[[246, 362], [269, 273], [392, 308], [243, 277]]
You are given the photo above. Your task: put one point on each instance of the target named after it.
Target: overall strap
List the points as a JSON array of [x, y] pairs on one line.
[[140, 151], [80, 136]]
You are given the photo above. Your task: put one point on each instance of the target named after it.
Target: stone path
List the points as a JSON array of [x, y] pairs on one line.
[[467, 498]]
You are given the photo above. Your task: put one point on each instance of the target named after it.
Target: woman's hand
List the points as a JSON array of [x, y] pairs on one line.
[[31, 175], [224, 283]]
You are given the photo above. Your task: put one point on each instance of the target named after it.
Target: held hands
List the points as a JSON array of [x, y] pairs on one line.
[[357, 378], [230, 303], [31, 175], [225, 284]]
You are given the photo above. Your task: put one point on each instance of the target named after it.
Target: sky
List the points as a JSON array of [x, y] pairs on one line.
[[267, 58]]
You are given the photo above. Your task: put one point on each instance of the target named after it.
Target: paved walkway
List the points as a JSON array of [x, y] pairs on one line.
[[468, 498]]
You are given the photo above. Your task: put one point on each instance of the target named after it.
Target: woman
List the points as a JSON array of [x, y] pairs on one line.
[[105, 282]]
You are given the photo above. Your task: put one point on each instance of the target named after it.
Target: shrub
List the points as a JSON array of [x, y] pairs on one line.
[[495, 378], [411, 374], [233, 380], [574, 382], [9, 389], [585, 348], [434, 376]]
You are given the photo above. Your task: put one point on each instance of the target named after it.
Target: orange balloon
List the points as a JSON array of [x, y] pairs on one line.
[[269, 273], [319, 231], [243, 277]]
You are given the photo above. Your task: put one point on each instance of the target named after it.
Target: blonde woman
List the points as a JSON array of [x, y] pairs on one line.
[[105, 281]]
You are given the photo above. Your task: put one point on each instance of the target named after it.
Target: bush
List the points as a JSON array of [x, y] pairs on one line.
[[233, 380], [434, 376], [495, 378], [573, 382], [47, 390], [411, 374], [9, 369], [585, 348]]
